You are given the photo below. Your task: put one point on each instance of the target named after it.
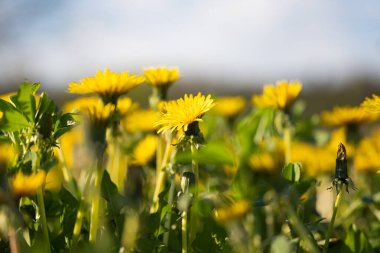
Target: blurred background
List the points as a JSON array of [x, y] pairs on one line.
[[220, 46]]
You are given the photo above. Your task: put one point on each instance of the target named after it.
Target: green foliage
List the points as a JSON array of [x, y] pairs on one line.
[[292, 172]]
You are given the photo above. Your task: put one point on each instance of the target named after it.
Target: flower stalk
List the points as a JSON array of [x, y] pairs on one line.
[[94, 220], [331, 226], [45, 232]]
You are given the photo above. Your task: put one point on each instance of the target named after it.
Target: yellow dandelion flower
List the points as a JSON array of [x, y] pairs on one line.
[[233, 212], [1, 115], [161, 76], [54, 179], [279, 96], [140, 121], [145, 150], [343, 116], [91, 107], [125, 105], [263, 161], [372, 104], [107, 84], [367, 155], [24, 185], [7, 154], [229, 106], [71, 144], [320, 159], [178, 114]]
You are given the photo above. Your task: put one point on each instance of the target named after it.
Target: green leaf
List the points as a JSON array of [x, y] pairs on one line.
[[13, 119], [25, 101], [252, 129], [115, 202], [356, 241], [65, 123], [215, 153], [292, 172]]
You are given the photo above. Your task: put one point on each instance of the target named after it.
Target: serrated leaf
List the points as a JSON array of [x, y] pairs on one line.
[[292, 172], [25, 101]]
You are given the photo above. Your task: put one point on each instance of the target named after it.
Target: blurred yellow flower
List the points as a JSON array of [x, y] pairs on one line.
[[125, 105], [140, 121], [91, 107], [317, 160], [229, 106], [263, 161], [235, 211], [54, 179], [367, 155], [178, 114], [161, 76], [372, 104], [71, 142], [7, 154], [24, 185], [279, 96], [343, 116], [145, 150], [107, 84], [1, 115]]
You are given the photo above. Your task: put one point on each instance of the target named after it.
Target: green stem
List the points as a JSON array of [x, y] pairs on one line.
[[302, 232], [78, 223], [45, 232], [287, 141], [331, 226], [168, 221], [161, 176], [184, 232], [94, 222]]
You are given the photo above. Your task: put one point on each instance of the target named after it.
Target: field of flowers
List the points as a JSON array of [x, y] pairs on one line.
[[196, 174]]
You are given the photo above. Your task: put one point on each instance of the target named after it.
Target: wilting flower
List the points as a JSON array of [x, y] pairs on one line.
[[229, 106], [161, 76], [343, 116], [180, 113], [279, 96], [24, 185], [109, 85], [372, 104], [140, 120], [145, 150], [235, 211]]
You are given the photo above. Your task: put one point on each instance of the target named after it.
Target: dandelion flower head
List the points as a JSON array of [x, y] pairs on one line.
[[24, 185], [278, 96], [179, 114], [107, 84], [145, 150], [372, 104], [234, 211], [140, 120], [91, 107], [229, 106], [342, 116], [161, 76]]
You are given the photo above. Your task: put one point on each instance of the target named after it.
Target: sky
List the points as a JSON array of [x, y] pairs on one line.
[[238, 43]]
